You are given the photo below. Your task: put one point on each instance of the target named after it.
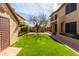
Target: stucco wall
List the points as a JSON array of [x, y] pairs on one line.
[[60, 19], [9, 27], [14, 29], [71, 17]]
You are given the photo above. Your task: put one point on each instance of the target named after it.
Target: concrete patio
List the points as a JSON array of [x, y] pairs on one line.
[[10, 51]]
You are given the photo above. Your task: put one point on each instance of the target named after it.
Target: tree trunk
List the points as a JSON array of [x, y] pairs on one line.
[[37, 30]]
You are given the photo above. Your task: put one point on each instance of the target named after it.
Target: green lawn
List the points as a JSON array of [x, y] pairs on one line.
[[41, 45]]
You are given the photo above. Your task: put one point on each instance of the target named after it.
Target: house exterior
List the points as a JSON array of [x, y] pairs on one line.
[[8, 26], [21, 20], [65, 22]]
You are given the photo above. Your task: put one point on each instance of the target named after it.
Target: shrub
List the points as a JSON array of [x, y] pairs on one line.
[[24, 30]]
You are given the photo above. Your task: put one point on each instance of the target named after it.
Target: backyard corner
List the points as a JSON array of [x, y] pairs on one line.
[[41, 45]]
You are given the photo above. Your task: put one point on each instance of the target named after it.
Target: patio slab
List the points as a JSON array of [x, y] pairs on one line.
[[10, 51]]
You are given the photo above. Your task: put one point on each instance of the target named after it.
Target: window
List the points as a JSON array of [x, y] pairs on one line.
[[70, 27], [73, 7], [70, 8]]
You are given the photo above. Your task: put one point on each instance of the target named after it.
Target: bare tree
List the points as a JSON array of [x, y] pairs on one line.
[[38, 21]]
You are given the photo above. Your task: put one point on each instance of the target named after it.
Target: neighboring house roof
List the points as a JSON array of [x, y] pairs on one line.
[[58, 9], [13, 12], [20, 16], [21, 19]]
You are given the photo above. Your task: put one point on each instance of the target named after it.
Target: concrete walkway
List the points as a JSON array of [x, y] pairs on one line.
[[67, 42], [39, 33], [10, 51]]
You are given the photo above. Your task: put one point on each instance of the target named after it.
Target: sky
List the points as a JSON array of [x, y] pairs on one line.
[[27, 9]]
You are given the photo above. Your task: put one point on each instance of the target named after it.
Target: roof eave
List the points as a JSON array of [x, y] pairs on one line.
[[12, 12], [57, 9]]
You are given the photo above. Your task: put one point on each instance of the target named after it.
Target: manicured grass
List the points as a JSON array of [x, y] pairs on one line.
[[41, 45]]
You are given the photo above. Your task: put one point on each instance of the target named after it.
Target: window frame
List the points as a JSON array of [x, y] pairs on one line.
[[71, 28]]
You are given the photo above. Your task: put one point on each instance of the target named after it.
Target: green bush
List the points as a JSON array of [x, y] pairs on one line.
[[24, 30]]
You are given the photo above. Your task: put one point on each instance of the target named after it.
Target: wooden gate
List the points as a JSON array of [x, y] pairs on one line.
[[4, 33]]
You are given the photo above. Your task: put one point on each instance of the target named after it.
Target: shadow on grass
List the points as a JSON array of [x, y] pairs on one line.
[[55, 39], [36, 36]]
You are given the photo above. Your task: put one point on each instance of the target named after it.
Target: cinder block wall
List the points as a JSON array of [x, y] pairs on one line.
[[4, 34], [14, 29]]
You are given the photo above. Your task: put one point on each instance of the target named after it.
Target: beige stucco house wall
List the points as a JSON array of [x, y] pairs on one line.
[[14, 28], [71, 17], [62, 18]]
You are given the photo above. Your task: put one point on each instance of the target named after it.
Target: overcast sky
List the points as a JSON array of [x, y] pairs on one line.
[[27, 9]]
